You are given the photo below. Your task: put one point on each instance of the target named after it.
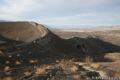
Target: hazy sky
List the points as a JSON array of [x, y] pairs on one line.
[[63, 12]]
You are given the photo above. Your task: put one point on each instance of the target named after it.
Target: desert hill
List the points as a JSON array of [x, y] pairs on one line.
[[20, 31], [29, 44]]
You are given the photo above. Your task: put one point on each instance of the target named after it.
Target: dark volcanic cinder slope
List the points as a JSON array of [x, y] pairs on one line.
[[27, 49], [31, 32], [30, 40], [25, 34], [41, 42], [95, 42], [25, 44]]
